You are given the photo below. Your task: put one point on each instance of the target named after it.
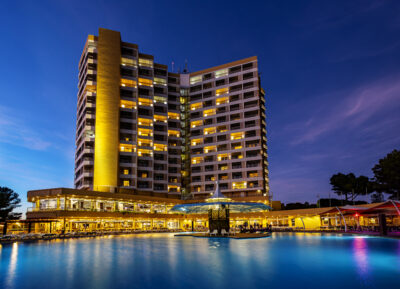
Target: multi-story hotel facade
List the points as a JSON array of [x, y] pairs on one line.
[[141, 128]]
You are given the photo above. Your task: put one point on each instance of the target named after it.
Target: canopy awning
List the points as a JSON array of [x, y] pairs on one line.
[[234, 207]]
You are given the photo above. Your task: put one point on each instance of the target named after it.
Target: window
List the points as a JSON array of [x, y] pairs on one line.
[[145, 102], [208, 112], [196, 123], [160, 118], [173, 115], [197, 160], [195, 106], [127, 104], [128, 62], [145, 132], [237, 135], [145, 62], [222, 100], [209, 130], [221, 91], [160, 99], [196, 142], [195, 79], [145, 121], [160, 81], [239, 185], [160, 147], [223, 157], [126, 172], [145, 81], [174, 133], [210, 149], [145, 153], [126, 148], [221, 73], [127, 183], [145, 142], [128, 82]]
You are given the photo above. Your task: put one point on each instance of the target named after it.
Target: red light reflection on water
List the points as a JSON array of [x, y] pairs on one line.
[[360, 253]]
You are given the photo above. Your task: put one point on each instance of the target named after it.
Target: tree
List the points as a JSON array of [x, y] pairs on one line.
[[387, 175], [350, 186], [9, 200]]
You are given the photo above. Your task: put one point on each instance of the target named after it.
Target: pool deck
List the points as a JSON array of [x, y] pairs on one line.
[[236, 236]]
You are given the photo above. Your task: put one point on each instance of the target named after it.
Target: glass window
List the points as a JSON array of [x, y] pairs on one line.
[[221, 73]]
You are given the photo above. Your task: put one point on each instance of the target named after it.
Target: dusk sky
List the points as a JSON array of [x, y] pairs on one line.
[[331, 71]]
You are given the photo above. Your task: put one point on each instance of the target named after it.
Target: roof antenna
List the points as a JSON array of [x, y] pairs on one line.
[[186, 67], [173, 66]]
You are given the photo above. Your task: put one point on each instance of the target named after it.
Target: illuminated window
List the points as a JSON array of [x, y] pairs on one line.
[[222, 100], [145, 102], [173, 189], [126, 172], [223, 157], [145, 132], [222, 72], [196, 142], [195, 79], [210, 149], [237, 135], [145, 153], [160, 147], [221, 91], [195, 106], [182, 100], [197, 160], [173, 115], [173, 133], [196, 123], [126, 148], [128, 62], [145, 62], [144, 142], [239, 185], [90, 88], [160, 99], [145, 81], [145, 122], [253, 174], [127, 104], [223, 167], [210, 130], [209, 112], [127, 183], [160, 118], [160, 81], [128, 82]]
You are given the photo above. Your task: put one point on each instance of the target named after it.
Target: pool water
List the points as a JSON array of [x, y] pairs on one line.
[[285, 260]]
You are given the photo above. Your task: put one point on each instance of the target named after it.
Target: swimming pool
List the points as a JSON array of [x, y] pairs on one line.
[[285, 260]]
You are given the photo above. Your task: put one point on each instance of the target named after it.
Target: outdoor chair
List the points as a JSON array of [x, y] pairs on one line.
[[214, 233], [224, 232]]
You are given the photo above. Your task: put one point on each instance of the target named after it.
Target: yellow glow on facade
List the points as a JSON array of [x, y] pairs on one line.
[[127, 104], [197, 160], [209, 112], [127, 148], [210, 130], [160, 81], [222, 100], [145, 101], [144, 142], [145, 81], [173, 115], [145, 62], [105, 177], [145, 132], [196, 123], [223, 157], [145, 153], [174, 133], [128, 82], [210, 149], [222, 91], [196, 105], [160, 147], [237, 135], [145, 122], [196, 142], [239, 185], [128, 62], [160, 118]]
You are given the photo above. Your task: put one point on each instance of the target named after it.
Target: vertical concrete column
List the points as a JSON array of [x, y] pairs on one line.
[[107, 111]]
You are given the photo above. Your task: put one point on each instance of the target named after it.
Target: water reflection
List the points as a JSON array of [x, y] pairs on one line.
[[360, 253], [12, 266]]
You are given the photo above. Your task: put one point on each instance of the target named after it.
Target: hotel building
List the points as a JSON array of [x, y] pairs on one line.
[[144, 130]]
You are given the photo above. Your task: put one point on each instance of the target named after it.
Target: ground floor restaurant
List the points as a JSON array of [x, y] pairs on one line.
[[59, 211]]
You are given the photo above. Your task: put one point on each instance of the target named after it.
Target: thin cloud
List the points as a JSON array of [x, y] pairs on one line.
[[359, 107], [15, 132]]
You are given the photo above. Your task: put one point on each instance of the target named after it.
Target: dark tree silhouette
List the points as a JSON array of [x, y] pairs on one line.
[[387, 175], [350, 186], [9, 200]]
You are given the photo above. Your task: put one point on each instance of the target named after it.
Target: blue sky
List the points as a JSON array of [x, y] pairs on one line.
[[331, 70]]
